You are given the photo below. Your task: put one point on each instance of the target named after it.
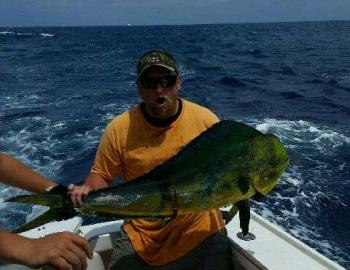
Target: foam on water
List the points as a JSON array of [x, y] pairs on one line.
[[7, 33], [46, 35], [31, 139], [305, 133], [13, 33]]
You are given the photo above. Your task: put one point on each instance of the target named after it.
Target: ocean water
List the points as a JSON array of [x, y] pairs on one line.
[[59, 87]]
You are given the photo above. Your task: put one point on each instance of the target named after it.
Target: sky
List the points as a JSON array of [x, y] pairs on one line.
[[166, 12]]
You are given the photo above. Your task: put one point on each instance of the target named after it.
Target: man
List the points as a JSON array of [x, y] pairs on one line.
[[136, 142], [63, 250]]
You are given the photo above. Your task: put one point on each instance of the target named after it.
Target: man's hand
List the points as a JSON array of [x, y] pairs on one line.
[[92, 182], [62, 250], [78, 194]]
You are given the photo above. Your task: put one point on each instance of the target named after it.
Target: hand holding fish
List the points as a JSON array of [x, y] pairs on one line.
[[78, 194]]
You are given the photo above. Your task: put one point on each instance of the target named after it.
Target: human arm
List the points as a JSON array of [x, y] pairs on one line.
[[15, 173], [107, 167], [63, 250]]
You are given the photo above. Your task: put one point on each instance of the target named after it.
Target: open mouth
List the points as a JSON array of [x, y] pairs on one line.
[[160, 100]]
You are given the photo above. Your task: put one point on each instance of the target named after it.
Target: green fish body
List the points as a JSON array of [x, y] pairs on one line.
[[227, 163]]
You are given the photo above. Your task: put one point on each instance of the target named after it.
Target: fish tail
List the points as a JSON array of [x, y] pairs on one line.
[[49, 200], [48, 216], [60, 208]]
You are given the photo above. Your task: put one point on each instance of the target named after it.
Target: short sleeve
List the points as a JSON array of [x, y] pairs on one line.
[[108, 157]]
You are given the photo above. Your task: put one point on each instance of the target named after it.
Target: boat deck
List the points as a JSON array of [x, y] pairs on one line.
[[272, 249], [277, 249]]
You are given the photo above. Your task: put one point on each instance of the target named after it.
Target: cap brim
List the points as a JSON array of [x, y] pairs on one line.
[[158, 65]]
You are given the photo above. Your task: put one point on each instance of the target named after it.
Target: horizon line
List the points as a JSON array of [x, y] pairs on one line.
[[150, 25]]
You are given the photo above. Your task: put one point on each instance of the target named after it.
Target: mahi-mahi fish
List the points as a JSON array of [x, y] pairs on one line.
[[225, 165]]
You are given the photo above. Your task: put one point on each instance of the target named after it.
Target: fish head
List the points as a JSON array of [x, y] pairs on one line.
[[271, 160]]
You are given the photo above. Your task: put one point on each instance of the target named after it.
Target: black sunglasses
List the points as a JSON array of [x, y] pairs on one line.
[[152, 83]]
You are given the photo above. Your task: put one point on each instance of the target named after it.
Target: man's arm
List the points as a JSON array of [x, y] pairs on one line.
[[63, 250], [15, 173], [107, 166]]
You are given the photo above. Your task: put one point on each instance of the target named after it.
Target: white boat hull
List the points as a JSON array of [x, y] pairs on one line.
[[272, 249]]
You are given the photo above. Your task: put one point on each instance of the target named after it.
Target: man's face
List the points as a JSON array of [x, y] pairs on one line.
[[159, 91]]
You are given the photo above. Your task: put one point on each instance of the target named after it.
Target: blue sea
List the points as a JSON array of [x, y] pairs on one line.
[[59, 87]]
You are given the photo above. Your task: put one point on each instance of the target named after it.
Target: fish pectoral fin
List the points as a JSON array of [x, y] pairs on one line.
[[48, 216], [229, 215]]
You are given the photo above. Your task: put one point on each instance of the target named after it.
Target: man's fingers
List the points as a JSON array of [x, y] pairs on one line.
[[78, 194], [80, 255], [72, 258], [72, 198], [61, 264], [63, 250], [78, 198], [83, 244]]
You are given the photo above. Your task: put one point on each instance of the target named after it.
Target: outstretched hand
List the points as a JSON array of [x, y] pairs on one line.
[[63, 250]]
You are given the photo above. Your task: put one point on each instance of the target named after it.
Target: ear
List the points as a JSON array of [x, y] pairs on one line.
[[179, 83]]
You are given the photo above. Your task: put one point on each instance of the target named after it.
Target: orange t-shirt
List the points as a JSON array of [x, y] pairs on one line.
[[132, 146]]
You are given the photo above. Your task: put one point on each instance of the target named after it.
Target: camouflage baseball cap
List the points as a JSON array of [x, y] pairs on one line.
[[156, 58]]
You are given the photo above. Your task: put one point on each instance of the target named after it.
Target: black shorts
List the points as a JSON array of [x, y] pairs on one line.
[[211, 254]]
